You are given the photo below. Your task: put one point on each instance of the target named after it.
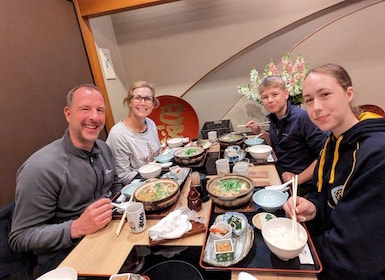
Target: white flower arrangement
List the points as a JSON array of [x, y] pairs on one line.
[[292, 73]]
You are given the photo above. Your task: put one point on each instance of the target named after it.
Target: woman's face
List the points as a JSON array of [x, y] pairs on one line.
[[275, 100], [327, 103], [142, 102]]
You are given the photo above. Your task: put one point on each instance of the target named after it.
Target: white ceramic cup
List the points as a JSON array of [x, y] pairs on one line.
[[212, 135], [223, 166], [136, 217], [241, 169]]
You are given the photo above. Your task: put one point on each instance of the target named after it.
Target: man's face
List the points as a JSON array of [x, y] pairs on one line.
[[85, 117]]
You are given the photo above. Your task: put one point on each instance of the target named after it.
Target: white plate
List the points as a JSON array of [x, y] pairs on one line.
[[242, 246], [61, 273], [166, 164]]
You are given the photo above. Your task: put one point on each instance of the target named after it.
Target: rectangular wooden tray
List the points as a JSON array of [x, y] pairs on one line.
[[196, 228], [261, 259]]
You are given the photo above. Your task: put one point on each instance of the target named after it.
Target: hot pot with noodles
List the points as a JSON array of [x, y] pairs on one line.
[[157, 194], [230, 191]]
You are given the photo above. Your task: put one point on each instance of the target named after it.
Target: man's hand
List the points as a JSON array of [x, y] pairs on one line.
[[96, 216]]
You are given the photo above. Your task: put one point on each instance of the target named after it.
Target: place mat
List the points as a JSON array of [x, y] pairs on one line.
[[196, 228], [258, 183], [258, 174], [247, 208], [260, 258]]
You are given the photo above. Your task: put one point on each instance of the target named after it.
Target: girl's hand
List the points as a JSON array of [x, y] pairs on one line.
[[305, 210]]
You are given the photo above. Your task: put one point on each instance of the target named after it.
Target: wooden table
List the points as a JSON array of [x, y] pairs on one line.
[[103, 253]]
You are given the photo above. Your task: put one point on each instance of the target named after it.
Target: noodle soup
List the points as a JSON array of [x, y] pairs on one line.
[[230, 191], [158, 194]]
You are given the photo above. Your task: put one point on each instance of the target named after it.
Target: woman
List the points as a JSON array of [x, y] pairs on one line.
[[134, 140], [296, 141], [346, 216]]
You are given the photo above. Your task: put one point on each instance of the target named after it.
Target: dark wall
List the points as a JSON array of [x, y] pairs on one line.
[[41, 57]]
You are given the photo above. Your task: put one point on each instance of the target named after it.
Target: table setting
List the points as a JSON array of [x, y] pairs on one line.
[[176, 224]]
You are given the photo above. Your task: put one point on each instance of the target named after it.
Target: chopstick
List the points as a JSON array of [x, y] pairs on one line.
[[294, 218], [123, 219], [121, 223], [258, 123]]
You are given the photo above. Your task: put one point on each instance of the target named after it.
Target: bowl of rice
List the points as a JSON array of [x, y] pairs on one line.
[[282, 241]]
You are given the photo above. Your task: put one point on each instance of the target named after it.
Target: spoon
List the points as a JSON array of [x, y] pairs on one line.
[[282, 187], [257, 136]]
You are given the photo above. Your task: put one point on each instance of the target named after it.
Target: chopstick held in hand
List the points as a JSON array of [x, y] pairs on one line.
[[294, 218]]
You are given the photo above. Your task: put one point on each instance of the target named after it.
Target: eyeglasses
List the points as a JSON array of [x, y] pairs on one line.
[[146, 99]]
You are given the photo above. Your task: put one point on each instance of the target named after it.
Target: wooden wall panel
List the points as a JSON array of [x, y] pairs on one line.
[[42, 56]]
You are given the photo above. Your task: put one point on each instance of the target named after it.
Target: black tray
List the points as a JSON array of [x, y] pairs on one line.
[[261, 259], [142, 258]]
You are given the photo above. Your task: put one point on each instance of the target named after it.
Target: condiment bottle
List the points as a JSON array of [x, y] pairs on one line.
[[194, 202]]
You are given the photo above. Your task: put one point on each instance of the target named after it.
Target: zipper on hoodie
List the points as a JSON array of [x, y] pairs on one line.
[[91, 160]]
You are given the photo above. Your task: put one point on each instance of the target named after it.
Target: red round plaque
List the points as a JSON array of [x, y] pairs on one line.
[[175, 118]]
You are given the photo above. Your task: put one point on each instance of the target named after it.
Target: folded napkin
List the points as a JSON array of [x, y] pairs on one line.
[[174, 225], [246, 276]]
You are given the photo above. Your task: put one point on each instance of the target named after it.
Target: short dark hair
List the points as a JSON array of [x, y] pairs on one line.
[[70, 94]]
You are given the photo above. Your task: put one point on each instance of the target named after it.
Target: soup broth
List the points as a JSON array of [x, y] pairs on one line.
[[230, 187], [156, 191]]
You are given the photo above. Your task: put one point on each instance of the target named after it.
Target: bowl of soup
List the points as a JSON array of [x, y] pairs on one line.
[[157, 194], [230, 190], [189, 155], [231, 139]]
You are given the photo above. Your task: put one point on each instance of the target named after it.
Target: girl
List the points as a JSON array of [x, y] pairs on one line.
[[346, 216]]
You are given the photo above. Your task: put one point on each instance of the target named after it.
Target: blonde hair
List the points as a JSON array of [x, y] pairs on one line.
[[141, 84], [272, 82]]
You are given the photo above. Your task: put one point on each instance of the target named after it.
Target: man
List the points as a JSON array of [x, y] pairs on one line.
[[63, 190]]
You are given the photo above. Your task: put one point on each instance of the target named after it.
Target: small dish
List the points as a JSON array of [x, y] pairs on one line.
[[129, 189], [220, 230], [128, 276], [270, 200], [177, 171], [237, 221], [224, 250], [261, 218], [165, 157], [254, 141], [184, 173]]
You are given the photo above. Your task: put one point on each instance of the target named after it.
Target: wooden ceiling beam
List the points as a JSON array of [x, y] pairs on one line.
[[94, 8]]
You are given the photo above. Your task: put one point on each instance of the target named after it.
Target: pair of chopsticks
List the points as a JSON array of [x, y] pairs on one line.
[[123, 219], [294, 218], [258, 123]]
